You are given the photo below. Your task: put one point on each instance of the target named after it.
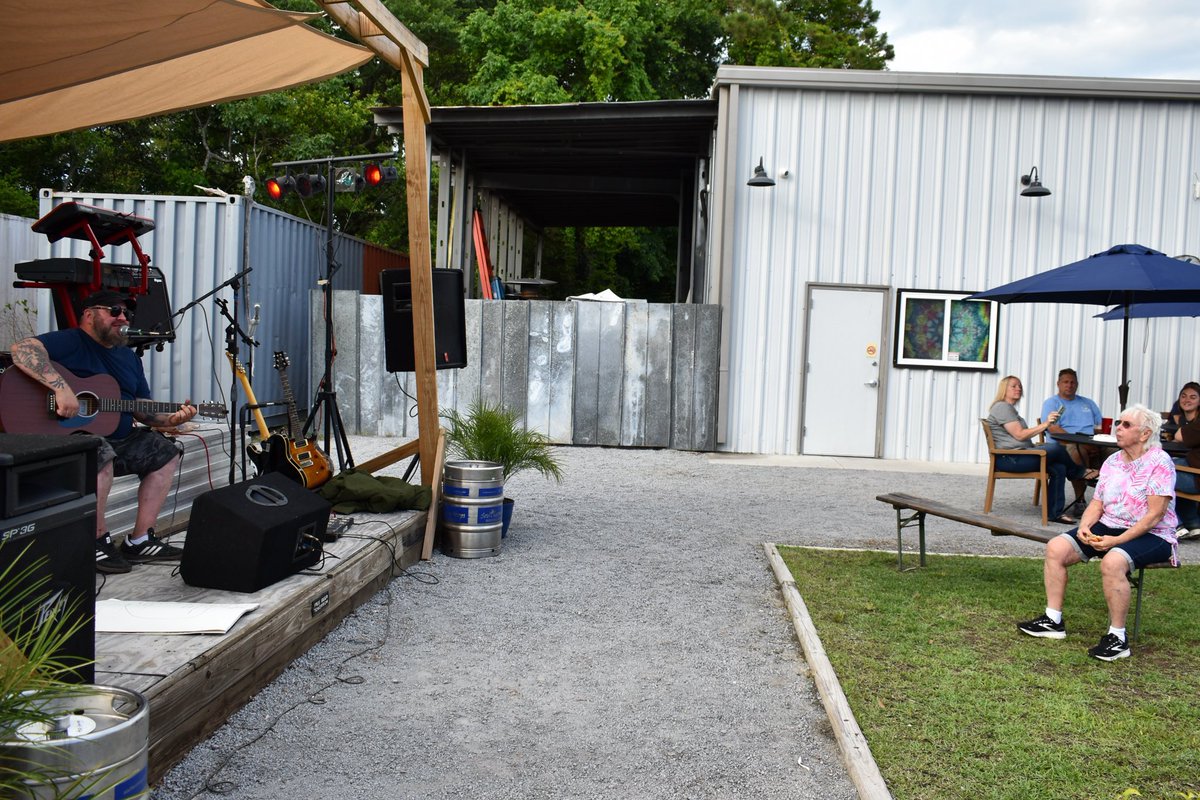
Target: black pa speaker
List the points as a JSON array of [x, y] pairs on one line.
[[48, 538], [449, 319], [251, 534]]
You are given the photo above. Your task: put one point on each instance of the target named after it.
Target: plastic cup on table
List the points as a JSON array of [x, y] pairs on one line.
[[1106, 425]]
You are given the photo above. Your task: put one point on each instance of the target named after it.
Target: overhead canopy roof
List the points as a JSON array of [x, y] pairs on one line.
[[583, 164], [67, 64]]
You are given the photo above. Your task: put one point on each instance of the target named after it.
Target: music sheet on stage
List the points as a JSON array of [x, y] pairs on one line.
[[139, 616]]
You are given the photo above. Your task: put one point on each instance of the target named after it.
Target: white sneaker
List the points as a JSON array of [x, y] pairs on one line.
[[1194, 533]]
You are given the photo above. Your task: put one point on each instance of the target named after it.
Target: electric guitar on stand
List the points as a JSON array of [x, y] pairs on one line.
[[259, 455], [300, 458]]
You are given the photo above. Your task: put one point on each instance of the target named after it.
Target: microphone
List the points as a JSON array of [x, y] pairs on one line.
[[128, 331], [253, 320]]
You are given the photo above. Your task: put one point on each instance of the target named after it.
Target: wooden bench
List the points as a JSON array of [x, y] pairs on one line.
[[999, 526]]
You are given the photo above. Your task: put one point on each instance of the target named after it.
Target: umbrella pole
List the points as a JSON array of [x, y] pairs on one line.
[[1123, 389]]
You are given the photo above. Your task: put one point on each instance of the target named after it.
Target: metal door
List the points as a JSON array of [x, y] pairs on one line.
[[843, 374]]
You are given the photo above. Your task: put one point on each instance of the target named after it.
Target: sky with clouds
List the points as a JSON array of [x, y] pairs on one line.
[[1086, 38]]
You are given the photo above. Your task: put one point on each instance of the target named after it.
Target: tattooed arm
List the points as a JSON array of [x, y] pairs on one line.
[[176, 418], [30, 356]]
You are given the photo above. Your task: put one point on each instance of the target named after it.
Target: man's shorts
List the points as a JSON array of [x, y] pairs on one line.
[[141, 452], [1146, 549]]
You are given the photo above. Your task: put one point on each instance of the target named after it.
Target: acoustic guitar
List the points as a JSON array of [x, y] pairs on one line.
[[27, 406], [299, 458]]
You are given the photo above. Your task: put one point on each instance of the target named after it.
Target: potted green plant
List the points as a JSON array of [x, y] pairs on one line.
[[491, 432]]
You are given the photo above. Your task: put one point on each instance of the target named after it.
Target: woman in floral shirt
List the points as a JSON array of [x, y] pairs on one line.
[[1129, 523]]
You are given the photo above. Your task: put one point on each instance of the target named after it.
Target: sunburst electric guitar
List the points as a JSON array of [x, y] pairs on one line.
[[300, 458], [27, 406]]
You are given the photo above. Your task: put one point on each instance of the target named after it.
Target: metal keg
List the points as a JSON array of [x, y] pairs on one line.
[[472, 514], [94, 745]]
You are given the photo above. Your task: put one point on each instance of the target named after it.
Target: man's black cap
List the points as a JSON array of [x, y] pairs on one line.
[[108, 297]]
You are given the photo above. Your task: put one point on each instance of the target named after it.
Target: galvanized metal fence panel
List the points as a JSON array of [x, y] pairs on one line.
[[582, 373]]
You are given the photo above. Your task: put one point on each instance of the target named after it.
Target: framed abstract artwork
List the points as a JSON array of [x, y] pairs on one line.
[[943, 330]]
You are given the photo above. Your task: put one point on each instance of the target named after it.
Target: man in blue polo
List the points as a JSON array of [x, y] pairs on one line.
[[1080, 415], [99, 345]]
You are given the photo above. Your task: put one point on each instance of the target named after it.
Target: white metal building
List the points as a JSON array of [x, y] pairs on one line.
[[888, 181]]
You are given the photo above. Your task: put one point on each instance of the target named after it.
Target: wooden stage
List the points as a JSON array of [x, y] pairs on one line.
[[194, 682]]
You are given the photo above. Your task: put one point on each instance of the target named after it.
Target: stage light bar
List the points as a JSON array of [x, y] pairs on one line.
[[348, 178]]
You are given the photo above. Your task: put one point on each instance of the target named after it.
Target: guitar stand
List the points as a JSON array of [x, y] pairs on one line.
[[245, 414]]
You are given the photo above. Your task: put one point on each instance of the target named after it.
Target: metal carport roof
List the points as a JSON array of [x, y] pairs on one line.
[[580, 164]]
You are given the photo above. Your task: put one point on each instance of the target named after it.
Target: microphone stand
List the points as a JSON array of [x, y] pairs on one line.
[[231, 282], [233, 332]]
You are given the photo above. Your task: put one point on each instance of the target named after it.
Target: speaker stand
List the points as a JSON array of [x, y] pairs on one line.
[[326, 396]]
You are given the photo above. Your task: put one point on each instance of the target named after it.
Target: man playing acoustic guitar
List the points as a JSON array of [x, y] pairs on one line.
[[99, 346]]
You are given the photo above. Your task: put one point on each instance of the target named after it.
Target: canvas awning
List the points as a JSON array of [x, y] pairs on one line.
[[69, 64]]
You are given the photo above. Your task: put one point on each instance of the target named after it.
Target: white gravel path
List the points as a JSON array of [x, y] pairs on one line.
[[628, 642]]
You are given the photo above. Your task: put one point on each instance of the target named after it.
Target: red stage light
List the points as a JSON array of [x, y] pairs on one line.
[[279, 186]]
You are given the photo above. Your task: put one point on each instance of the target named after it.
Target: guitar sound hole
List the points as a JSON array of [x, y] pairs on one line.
[[89, 404]]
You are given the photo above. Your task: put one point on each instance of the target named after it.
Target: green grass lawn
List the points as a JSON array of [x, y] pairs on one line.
[[956, 703]]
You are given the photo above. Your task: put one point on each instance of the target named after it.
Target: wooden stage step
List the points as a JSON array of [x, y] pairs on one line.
[[195, 682]]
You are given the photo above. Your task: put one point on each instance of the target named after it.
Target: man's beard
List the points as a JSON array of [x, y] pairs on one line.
[[112, 336]]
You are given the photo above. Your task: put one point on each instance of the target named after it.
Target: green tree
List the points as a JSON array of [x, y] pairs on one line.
[[533, 51], [834, 34]]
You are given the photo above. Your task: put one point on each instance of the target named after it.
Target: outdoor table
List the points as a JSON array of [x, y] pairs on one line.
[[1173, 448]]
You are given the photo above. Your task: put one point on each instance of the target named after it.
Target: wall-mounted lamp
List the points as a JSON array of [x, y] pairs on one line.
[[760, 176], [1033, 186]]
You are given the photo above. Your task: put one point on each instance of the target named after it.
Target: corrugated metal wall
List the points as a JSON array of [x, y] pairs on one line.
[[17, 243], [617, 374], [921, 190], [200, 243]]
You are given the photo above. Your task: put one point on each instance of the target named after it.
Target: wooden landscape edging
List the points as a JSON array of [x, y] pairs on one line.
[[856, 753]]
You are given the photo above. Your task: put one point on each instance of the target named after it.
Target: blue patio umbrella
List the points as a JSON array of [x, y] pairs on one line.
[[1152, 310], [1123, 275]]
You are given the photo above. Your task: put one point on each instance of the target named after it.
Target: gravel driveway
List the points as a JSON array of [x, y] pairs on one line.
[[628, 642]]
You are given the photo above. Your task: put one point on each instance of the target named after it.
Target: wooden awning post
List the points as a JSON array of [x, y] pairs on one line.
[[374, 25], [416, 168]]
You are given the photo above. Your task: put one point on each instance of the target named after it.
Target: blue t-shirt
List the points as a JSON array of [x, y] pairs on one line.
[[1082, 415], [85, 357]]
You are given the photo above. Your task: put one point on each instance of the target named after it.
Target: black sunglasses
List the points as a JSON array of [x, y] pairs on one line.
[[116, 311], [1124, 423]]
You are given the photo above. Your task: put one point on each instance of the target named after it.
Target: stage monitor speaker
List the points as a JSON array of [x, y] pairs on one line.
[[449, 319], [249, 535], [48, 536]]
